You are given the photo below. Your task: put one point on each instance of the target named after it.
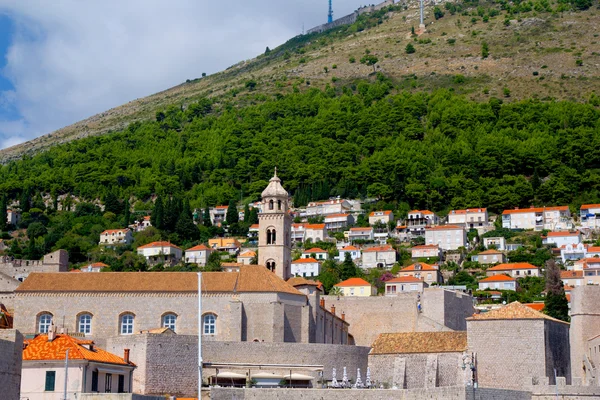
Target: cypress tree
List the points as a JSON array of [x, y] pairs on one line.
[[185, 226], [158, 214], [3, 213], [126, 211], [25, 201], [246, 213], [555, 304], [232, 215], [206, 218]]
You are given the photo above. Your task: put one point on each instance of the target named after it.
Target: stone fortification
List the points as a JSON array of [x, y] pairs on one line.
[[57, 261], [370, 316], [585, 325], [11, 351], [168, 363], [350, 18]]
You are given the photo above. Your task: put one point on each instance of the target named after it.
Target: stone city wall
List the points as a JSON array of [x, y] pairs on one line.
[[57, 261], [585, 324], [350, 18], [11, 351]]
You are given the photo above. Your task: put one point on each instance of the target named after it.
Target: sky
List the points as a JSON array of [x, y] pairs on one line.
[[62, 61]]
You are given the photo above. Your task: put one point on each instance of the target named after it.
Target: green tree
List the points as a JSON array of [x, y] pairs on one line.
[[185, 227], [250, 84], [158, 214], [555, 304], [3, 213], [232, 216], [348, 269], [437, 12], [485, 50], [410, 49], [206, 218], [213, 264], [370, 60]]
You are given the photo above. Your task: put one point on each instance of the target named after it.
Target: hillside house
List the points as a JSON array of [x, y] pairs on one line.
[[489, 257], [253, 233], [338, 222], [426, 251], [381, 217], [336, 206], [447, 237], [429, 273], [306, 267], [160, 253], [404, 284], [298, 232], [93, 267], [560, 239], [13, 217], [538, 218], [572, 278], [142, 224], [589, 216], [571, 252], [198, 255], [357, 287], [470, 218], [516, 270], [114, 237], [360, 234], [246, 257], [315, 232], [590, 268], [317, 253], [499, 243], [498, 282], [352, 250], [230, 245], [378, 257], [416, 222], [217, 214]]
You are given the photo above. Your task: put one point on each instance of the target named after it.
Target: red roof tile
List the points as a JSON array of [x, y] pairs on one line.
[[314, 250], [308, 260], [571, 274], [425, 246], [444, 228], [468, 210], [535, 306], [424, 267], [498, 278], [535, 209], [350, 248], [562, 234], [512, 266], [387, 247], [353, 282], [374, 213], [200, 247], [404, 279], [158, 244], [315, 226], [109, 231]]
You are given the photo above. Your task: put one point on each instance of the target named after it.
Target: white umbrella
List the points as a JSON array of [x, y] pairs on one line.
[[368, 381], [334, 382], [358, 384], [345, 382]]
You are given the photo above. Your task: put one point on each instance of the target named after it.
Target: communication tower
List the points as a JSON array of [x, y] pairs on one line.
[[330, 14]]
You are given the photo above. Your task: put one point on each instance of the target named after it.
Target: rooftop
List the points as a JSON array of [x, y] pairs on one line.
[[444, 228], [511, 266], [498, 278], [315, 226], [109, 231], [308, 260], [377, 213], [350, 248], [158, 244], [423, 267], [425, 246], [300, 281], [361, 229], [274, 188], [468, 210], [248, 253], [404, 279], [420, 342], [315, 250], [535, 209], [514, 310], [353, 282], [200, 247], [387, 247], [571, 274], [562, 234]]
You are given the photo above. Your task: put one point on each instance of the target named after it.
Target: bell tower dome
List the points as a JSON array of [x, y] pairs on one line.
[[274, 229]]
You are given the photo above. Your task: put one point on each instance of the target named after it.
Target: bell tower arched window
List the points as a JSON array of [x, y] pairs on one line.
[[271, 236], [270, 204], [279, 205], [271, 266]]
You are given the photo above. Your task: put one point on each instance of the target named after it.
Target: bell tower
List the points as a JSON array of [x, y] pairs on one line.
[[274, 230]]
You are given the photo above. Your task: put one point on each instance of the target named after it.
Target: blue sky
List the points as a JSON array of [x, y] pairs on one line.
[[63, 61]]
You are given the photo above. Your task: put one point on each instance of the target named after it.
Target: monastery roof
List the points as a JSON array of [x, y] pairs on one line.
[[498, 278], [512, 266], [468, 210], [40, 348], [315, 250], [249, 278], [350, 248], [404, 279], [315, 226], [200, 247], [420, 342], [274, 188], [444, 228], [424, 267], [353, 282], [491, 251], [514, 310], [571, 274], [109, 231], [158, 244], [387, 247], [374, 213], [308, 260], [535, 209]]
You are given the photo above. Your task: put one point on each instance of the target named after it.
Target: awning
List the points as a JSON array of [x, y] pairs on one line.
[[298, 377], [266, 375], [230, 375]]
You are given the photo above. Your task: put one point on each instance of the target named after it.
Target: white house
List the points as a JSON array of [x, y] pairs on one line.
[[218, 214], [488, 257], [315, 232], [404, 284], [448, 237], [538, 218], [382, 217], [516, 270], [306, 267], [337, 206], [160, 252], [498, 282], [571, 252], [470, 218], [562, 238], [353, 251], [497, 242], [317, 253], [426, 251], [12, 217], [93, 267], [429, 273], [589, 215], [378, 257], [338, 222], [91, 369], [416, 222], [198, 255], [142, 224], [298, 232], [246, 257], [116, 237], [360, 234]]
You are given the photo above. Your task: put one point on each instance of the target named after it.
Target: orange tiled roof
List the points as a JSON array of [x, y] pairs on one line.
[[404, 279], [298, 226], [561, 234], [359, 229], [315, 250], [468, 210], [512, 266], [249, 278], [200, 247], [97, 265], [535, 306], [248, 253], [491, 251], [387, 247], [374, 213], [444, 227], [585, 206], [40, 348], [426, 212], [593, 249], [425, 246], [147, 218], [498, 278], [158, 244], [222, 207], [339, 215], [514, 310], [350, 248], [300, 281], [315, 226], [308, 260], [353, 282], [424, 267], [571, 274], [254, 226], [420, 342], [535, 209], [109, 231]]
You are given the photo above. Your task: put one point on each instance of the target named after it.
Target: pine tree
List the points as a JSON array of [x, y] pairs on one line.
[[111, 203], [206, 218], [232, 215], [126, 212], [555, 304], [158, 214], [25, 201], [3, 213], [185, 226], [536, 182]]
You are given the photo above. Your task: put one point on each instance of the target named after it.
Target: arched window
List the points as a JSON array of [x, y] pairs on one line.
[[273, 236], [270, 204], [271, 266], [44, 322], [169, 321], [279, 204], [209, 324], [268, 236], [127, 324], [84, 323]]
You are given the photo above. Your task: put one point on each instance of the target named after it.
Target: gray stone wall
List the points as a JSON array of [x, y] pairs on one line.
[[57, 261], [11, 351], [585, 324], [558, 351], [508, 352]]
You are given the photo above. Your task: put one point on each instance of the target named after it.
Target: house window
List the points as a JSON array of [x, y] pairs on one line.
[[529, 272], [94, 381], [362, 290], [121, 388], [84, 324], [108, 383], [414, 288], [168, 321], [209, 324], [44, 322], [351, 291], [50, 381], [127, 324]]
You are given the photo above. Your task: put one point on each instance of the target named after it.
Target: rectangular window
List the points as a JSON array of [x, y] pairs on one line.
[[108, 383], [50, 381], [414, 288], [121, 384], [351, 291], [94, 381]]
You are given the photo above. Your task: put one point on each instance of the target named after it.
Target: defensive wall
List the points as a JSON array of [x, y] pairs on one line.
[[11, 351], [369, 316], [585, 325], [350, 18], [168, 363], [57, 261]]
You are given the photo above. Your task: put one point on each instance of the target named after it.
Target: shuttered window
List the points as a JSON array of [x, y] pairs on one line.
[[50, 380]]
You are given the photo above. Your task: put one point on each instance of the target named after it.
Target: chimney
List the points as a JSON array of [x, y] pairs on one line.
[[322, 302], [343, 316], [126, 355], [333, 309], [51, 332]]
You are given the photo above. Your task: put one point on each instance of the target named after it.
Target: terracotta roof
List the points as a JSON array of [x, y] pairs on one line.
[[584, 206], [493, 292], [200, 247], [535, 209], [40, 348], [571, 274], [222, 207], [353, 282], [254, 226], [97, 265], [512, 266], [248, 253], [561, 234], [421, 211], [108, 231], [300, 281], [387, 247], [514, 310], [444, 227], [339, 215], [298, 226], [420, 342], [492, 251], [147, 218], [568, 288], [314, 250], [468, 210], [350, 248], [424, 267], [315, 226], [535, 306], [498, 278], [425, 246], [593, 249], [404, 279], [158, 244], [308, 260], [250, 278], [374, 213], [360, 229]]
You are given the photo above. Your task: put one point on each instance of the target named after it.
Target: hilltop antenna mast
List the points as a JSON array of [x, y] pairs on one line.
[[330, 14], [422, 24]]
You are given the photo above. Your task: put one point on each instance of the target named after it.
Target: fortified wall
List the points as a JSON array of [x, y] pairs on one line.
[[11, 350], [350, 18], [57, 261], [585, 327]]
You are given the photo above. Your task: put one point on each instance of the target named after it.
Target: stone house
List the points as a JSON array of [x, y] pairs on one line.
[[515, 344], [470, 218], [489, 257], [11, 354], [317, 253], [356, 287], [113, 237], [589, 216], [426, 251], [382, 217], [246, 257], [404, 284], [429, 273], [352, 250], [198, 255], [160, 253], [498, 282], [91, 369], [448, 237], [360, 234], [378, 257], [560, 239], [315, 232], [516, 270], [499, 243], [411, 360], [338, 222], [306, 267]]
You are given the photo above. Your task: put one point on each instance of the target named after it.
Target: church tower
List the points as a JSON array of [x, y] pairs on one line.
[[274, 230]]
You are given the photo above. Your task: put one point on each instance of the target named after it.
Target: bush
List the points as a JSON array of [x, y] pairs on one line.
[[506, 92], [352, 60], [410, 49], [535, 73], [485, 50], [459, 79], [451, 41], [437, 12], [579, 63]]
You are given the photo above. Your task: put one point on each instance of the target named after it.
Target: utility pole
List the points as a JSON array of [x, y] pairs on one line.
[[422, 24], [199, 334], [66, 372], [330, 14]]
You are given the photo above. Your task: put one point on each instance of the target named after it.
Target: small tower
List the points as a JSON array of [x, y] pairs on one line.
[[330, 14], [274, 230]]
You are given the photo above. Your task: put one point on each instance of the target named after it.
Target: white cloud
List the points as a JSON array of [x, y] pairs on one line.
[[71, 59]]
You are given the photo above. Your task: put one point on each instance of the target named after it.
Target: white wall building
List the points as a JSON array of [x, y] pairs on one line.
[[447, 237], [198, 255], [498, 242], [306, 267], [12, 217], [116, 237], [383, 217], [338, 222], [360, 234], [378, 257], [317, 253], [416, 222], [218, 214], [315, 232], [426, 251], [337, 206], [589, 215], [160, 253], [353, 251], [470, 218], [562, 238], [498, 282], [538, 218]]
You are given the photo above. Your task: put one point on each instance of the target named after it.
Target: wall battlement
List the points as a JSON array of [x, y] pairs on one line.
[[57, 261]]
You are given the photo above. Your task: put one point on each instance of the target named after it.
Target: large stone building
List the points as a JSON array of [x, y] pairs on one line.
[[585, 327], [11, 349]]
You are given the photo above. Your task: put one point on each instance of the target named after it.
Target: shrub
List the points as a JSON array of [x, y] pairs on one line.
[[437, 12], [410, 49], [459, 79], [485, 50], [334, 66], [506, 92], [352, 60], [451, 41], [535, 73], [579, 63]]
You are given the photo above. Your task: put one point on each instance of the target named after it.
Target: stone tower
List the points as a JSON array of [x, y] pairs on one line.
[[275, 225]]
